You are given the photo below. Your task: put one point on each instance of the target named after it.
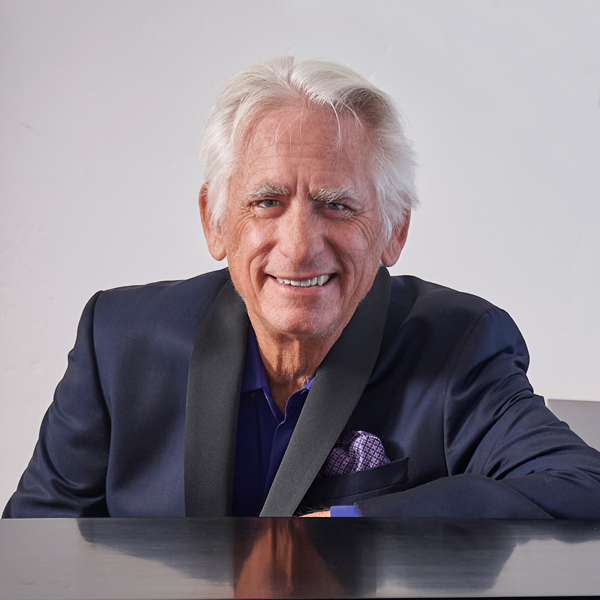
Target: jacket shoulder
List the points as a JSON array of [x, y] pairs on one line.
[[412, 293], [166, 314], [166, 298], [442, 316]]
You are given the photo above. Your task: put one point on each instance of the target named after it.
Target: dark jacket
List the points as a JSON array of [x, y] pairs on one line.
[[439, 376]]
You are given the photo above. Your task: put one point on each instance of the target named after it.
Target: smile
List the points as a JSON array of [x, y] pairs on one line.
[[320, 280]]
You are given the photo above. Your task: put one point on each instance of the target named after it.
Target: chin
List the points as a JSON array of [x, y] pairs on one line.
[[302, 325]]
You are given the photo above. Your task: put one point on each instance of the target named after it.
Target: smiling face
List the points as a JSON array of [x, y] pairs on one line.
[[302, 232]]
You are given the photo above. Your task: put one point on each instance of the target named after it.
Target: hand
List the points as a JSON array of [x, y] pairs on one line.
[[319, 513]]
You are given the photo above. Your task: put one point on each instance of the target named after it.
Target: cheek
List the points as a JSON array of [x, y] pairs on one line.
[[359, 248], [248, 249], [257, 241], [241, 236], [258, 238]]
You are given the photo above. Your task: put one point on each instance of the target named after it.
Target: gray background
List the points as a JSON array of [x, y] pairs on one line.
[[101, 106]]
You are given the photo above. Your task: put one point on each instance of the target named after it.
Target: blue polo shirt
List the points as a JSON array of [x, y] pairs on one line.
[[263, 434]]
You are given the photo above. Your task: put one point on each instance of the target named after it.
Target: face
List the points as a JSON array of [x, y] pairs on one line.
[[301, 233]]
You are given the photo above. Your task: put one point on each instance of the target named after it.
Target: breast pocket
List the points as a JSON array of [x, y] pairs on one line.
[[353, 487]]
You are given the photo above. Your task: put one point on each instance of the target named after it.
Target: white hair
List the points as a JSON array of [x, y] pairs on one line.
[[267, 87]]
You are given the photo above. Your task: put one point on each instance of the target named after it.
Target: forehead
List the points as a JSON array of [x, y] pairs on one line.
[[316, 141]]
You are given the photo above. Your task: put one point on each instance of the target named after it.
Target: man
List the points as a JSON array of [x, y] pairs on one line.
[[303, 377]]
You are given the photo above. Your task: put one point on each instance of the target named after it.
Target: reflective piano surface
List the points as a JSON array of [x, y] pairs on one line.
[[297, 558]]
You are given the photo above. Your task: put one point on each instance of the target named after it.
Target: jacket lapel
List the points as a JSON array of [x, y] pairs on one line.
[[213, 395], [339, 384]]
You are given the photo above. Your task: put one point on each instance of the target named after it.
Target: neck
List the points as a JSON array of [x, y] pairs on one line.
[[290, 363]]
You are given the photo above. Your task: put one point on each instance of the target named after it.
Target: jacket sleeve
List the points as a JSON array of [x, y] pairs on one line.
[[67, 473], [507, 455]]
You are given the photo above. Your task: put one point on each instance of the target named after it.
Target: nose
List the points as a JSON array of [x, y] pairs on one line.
[[301, 233]]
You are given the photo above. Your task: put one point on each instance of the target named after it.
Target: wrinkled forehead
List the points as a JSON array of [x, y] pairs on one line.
[[342, 136]]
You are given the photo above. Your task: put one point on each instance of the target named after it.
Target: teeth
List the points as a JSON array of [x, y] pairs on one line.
[[320, 280]]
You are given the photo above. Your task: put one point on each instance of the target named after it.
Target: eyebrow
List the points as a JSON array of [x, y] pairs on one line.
[[331, 195], [325, 195], [268, 190]]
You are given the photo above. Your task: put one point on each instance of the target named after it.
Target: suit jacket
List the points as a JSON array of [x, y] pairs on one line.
[[439, 376]]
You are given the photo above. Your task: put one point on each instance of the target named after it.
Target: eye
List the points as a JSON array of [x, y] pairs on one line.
[[267, 203], [336, 206]]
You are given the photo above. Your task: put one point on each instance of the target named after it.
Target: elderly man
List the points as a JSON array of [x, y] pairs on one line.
[[303, 377]]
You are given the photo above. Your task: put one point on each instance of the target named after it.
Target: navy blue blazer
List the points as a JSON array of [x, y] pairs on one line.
[[143, 422]]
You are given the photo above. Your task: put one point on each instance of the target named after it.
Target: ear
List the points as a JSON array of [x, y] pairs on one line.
[[392, 251], [215, 238]]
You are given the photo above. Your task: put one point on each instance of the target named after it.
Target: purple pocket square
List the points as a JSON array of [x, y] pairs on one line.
[[355, 451]]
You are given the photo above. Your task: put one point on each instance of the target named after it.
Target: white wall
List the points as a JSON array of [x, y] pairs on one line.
[[101, 107]]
